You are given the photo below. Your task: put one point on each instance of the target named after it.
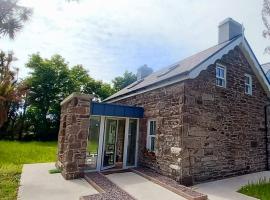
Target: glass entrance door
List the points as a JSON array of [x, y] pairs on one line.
[[110, 136], [131, 143]]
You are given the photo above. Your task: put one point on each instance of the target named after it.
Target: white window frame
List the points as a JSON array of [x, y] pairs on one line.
[[149, 137], [248, 85], [219, 66]]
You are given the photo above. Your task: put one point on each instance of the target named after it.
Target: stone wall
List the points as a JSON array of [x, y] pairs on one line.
[[164, 105], [225, 127], [73, 132], [221, 131]]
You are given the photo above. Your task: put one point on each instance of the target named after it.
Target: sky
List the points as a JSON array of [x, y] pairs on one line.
[[110, 36]]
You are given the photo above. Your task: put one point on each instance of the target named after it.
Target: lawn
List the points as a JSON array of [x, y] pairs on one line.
[[260, 189], [12, 157]]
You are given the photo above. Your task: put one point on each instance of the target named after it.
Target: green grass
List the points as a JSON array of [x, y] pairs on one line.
[[54, 171], [260, 189], [92, 146], [12, 157]]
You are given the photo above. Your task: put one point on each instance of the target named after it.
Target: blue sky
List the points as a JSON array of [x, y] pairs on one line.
[[111, 36]]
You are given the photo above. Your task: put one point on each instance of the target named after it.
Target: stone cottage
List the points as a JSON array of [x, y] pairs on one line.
[[202, 118]]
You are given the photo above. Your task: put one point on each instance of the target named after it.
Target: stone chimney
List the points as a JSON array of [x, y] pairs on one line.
[[228, 29], [143, 72]]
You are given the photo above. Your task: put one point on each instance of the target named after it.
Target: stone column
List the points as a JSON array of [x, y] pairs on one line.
[[73, 132]]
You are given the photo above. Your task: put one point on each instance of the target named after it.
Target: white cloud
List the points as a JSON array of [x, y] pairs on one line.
[[109, 37]]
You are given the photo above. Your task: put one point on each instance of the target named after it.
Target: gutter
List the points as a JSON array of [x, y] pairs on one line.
[[266, 136]]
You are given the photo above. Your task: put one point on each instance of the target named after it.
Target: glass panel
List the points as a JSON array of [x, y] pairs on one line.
[[152, 128], [221, 73], [131, 148], [217, 72], [248, 89], [109, 148], [120, 140], [92, 147], [153, 139], [247, 79], [220, 82]]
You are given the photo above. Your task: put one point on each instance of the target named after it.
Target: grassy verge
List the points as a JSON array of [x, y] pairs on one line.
[[12, 157], [260, 189]]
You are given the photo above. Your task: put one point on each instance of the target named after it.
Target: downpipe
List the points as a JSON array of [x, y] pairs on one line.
[[266, 136]]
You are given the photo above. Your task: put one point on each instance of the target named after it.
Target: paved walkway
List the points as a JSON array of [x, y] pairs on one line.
[[141, 188], [226, 189], [38, 184]]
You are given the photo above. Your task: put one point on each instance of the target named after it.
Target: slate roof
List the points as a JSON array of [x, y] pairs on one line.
[[179, 68]]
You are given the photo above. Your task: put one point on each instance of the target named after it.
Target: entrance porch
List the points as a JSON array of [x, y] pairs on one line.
[[113, 137], [96, 136]]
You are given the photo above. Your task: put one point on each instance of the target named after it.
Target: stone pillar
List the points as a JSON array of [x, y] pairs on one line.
[[73, 132]]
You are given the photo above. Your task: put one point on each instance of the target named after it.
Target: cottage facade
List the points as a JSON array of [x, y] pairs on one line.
[[215, 114], [202, 118]]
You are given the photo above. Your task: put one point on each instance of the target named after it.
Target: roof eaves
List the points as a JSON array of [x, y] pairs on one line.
[[260, 66]]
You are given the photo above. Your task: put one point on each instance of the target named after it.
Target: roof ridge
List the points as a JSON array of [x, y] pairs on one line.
[[183, 66], [175, 65]]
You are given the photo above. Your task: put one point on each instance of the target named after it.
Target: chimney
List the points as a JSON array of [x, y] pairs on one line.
[[228, 29], [143, 72]]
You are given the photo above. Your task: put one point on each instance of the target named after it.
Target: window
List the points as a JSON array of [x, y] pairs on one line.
[[248, 84], [220, 76], [151, 135]]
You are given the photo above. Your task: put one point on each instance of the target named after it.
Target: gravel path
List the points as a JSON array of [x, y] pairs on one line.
[[110, 191]]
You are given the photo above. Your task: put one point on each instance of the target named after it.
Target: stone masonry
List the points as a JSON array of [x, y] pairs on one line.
[[226, 133], [165, 105], [220, 131], [73, 132]]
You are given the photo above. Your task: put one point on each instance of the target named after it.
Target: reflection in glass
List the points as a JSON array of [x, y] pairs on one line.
[[131, 148], [109, 148], [92, 147]]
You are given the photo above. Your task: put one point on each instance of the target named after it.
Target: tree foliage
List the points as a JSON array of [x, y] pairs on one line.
[[10, 90], [50, 81], [266, 22], [121, 82], [32, 107], [12, 17]]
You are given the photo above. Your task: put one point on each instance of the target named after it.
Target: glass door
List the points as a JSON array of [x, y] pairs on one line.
[[108, 160], [93, 143], [131, 143]]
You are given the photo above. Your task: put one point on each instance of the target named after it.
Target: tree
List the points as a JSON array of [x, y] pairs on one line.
[[265, 18], [80, 81], [50, 81], [10, 90], [121, 82], [48, 85], [12, 17]]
